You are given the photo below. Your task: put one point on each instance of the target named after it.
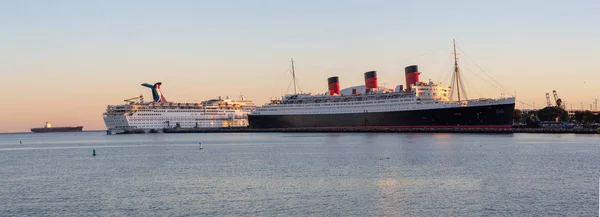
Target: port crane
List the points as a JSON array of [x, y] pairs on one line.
[[558, 100], [133, 100], [548, 100]]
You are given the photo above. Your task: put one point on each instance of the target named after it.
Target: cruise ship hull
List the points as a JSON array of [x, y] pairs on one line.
[[488, 116]]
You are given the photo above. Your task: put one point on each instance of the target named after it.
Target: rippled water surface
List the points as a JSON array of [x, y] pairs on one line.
[[299, 174]]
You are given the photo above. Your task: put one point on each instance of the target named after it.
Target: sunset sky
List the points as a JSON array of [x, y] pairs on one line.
[[65, 61]]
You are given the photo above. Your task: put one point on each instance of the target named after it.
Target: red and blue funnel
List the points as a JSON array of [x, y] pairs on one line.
[[156, 94]]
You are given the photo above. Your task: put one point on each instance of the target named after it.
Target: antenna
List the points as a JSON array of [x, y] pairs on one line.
[[294, 76], [456, 79], [456, 69]]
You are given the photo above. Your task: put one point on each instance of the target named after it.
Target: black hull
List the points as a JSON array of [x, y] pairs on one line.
[[56, 129], [491, 116]]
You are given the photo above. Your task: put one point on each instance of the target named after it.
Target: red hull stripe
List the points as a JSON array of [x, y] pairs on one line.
[[421, 127]]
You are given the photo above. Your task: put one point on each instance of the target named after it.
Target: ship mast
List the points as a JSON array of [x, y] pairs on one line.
[[456, 70], [293, 76]]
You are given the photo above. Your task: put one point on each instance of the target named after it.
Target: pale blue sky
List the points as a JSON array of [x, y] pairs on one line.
[[76, 57]]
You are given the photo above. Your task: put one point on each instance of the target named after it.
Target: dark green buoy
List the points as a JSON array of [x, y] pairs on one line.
[[94, 152]]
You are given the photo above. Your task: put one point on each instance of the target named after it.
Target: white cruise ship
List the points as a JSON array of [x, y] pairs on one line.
[[139, 116]]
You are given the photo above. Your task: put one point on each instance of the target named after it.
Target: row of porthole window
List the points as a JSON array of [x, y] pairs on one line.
[[356, 111], [115, 121], [284, 109]]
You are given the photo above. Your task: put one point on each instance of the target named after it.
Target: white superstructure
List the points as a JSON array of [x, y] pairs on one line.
[[137, 115]]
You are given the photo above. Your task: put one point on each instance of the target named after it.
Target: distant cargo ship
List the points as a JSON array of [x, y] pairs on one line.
[[49, 129], [420, 105]]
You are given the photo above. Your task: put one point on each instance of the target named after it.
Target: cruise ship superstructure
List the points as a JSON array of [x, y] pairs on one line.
[[139, 116], [418, 105]]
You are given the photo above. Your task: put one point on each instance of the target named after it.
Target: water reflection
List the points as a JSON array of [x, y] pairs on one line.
[[304, 174], [391, 199]]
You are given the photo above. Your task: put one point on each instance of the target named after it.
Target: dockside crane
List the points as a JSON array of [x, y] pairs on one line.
[[558, 100], [548, 100]]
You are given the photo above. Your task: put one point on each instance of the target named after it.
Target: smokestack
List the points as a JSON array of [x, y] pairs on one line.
[[370, 80], [334, 85], [412, 76]]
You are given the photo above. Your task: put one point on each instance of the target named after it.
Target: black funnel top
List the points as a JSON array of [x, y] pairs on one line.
[[411, 69], [370, 74]]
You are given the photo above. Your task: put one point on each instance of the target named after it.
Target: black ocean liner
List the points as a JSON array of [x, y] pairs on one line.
[[420, 105]]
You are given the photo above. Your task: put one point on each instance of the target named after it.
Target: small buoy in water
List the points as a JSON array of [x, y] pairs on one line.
[[200, 146], [20, 142], [94, 152]]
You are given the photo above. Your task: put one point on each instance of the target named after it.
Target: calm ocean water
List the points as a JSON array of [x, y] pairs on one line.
[[299, 174]]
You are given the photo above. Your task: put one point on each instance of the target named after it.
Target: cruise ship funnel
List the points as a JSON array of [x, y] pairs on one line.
[[156, 93], [370, 80], [412, 76], [334, 85]]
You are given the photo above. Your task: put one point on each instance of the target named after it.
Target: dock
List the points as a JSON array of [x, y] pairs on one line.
[[377, 130]]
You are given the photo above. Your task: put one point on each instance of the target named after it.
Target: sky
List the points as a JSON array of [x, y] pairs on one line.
[[64, 61]]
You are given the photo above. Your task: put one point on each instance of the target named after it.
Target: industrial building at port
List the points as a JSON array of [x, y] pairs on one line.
[[557, 115]]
